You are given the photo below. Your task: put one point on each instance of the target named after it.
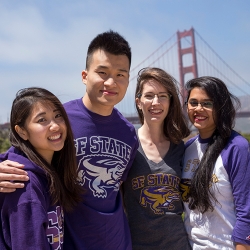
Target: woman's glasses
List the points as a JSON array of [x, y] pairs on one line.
[[194, 104], [151, 96]]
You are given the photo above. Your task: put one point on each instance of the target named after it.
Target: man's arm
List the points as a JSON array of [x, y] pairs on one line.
[[10, 172]]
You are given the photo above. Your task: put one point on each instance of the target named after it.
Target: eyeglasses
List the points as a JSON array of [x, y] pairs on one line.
[[161, 97], [194, 104]]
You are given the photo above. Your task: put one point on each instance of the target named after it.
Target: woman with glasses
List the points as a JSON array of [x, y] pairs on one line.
[[151, 192], [216, 170]]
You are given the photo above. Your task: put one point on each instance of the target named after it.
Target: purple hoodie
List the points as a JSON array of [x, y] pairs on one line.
[[28, 221]]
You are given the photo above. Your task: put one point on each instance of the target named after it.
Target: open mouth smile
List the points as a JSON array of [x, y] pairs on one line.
[[55, 137]]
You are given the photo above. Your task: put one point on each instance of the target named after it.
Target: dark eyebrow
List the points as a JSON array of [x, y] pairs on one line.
[[55, 110], [105, 67], [204, 100], [101, 67], [123, 70], [44, 113], [157, 93], [39, 114]]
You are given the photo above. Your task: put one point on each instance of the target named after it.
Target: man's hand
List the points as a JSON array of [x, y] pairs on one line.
[[10, 172]]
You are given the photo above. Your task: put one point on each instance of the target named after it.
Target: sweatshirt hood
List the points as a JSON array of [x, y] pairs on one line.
[[14, 154]]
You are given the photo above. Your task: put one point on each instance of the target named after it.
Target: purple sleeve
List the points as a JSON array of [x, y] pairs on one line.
[[24, 216], [31, 216], [236, 159], [190, 141]]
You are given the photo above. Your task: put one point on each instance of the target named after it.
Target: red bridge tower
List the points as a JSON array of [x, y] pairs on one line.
[[182, 51]]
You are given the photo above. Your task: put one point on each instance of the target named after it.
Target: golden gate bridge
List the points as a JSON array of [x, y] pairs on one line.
[[187, 55]]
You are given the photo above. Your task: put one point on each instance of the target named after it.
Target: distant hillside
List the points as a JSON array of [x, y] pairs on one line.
[[243, 124], [5, 126], [245, 103]]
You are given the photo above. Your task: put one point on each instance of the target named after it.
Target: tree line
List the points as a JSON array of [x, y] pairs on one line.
[[4, 140]]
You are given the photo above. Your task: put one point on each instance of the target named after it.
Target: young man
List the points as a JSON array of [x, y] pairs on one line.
[[106, 144]]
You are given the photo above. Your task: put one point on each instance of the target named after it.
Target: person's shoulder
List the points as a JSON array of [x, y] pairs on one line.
[[179, 145], [237, 147], [177, 148], [237, 140], [190, 141], [123, 120], [70, 104], [74, 108], [14, 154]]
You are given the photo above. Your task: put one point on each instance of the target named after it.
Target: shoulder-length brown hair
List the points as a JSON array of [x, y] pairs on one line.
[[175, 123]]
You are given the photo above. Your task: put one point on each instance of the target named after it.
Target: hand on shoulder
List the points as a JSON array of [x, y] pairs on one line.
[[10, 172]]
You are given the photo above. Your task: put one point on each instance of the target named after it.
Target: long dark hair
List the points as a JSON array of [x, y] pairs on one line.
[[62, 172], [175, 124], [225, 105]]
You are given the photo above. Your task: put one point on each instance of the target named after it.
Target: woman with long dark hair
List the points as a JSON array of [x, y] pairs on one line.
[[42, 140], [216, 171]]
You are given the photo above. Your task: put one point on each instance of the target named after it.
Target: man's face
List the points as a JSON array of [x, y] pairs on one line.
[[106, 81]]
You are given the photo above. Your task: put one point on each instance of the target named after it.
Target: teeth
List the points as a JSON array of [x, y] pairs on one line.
[[200, 117], [155, 111], [55, 137]]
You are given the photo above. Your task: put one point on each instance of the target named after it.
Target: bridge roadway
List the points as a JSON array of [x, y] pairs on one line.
[[242, 114]]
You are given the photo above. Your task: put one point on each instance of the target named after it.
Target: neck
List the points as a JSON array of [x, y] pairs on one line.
[[152, 133], [206, 134], [98, 109]]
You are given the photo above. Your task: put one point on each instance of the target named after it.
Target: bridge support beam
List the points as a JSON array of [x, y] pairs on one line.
[[182, 51]]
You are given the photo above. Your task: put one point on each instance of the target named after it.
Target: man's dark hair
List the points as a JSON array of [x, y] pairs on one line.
[[111, 42]]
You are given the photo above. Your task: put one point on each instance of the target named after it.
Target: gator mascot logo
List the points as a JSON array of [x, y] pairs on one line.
[[184, 187], [101, 175], [159, 198]]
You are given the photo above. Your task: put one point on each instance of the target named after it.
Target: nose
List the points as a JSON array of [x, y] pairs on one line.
[[110, 81], [199, 106], [54, 126], [155, 100]]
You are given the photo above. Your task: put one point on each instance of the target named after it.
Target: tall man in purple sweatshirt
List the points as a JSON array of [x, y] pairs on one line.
[[105, 143]]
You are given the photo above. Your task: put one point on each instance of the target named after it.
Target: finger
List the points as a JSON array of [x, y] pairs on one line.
[[11, 163], [17, 169], [13, 177], [7, 187], [7, 190]]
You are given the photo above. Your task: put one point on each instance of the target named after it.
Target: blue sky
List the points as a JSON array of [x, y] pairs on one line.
[[44, 43]]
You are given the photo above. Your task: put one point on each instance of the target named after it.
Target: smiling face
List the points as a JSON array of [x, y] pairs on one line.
[[154, 102], [45, 129], [201, 117], [106, 81]]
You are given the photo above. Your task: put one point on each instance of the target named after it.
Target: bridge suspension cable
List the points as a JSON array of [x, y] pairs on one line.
[[223, 61], [166, 57]]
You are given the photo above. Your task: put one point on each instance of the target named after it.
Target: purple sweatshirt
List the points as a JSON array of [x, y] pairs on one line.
[[105, 149], [28, 221]]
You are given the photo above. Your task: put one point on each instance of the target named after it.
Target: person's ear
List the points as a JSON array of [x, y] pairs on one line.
[[21, 132], [138, 103], [84, 76]]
